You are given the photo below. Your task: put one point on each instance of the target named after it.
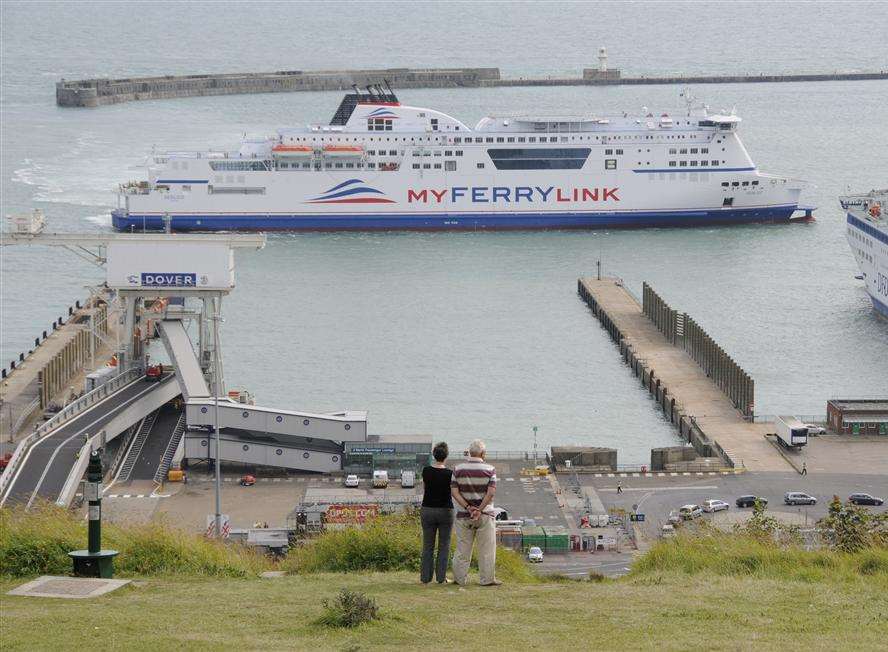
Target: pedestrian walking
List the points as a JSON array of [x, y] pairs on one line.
[[436, 516], [804, 468], [619, 487], [473, 487]]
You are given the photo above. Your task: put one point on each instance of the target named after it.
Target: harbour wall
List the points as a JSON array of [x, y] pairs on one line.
[[99, 92]]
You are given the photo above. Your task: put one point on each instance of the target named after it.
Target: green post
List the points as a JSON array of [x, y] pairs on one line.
[[93, 562]]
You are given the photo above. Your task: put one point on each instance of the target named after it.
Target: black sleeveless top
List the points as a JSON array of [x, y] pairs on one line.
[[436, 487]]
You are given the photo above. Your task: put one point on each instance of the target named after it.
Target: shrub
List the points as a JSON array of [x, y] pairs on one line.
[[38, 541], [349, 609], [387, 543]]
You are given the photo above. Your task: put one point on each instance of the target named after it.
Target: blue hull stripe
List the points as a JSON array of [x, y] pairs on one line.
[[869, 229], [449, 222], [881, 308]]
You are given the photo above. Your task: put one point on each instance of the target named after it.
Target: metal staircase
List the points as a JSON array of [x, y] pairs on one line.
[[170, 451], [136, 448]]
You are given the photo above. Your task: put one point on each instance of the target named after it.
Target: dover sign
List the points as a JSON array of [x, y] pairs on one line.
[[351, 514], [188, 265]]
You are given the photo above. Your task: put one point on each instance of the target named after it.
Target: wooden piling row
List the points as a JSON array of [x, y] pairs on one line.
[[683, 331], [71, 359]]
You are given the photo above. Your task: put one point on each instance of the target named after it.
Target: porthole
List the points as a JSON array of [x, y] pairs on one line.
[[306, 455], [279, 419], [278, 452], [305, 422], [245, 414], [348, 426], [203, 410], [203, 442], [245, 447], [335, 458]]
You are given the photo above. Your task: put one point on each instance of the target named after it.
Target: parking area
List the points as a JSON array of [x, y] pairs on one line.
[[656, 495]]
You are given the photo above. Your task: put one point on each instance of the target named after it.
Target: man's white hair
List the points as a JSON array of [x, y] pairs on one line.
[[477, 448]]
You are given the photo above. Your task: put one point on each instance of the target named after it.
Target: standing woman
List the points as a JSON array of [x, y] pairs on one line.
[[436, 516]]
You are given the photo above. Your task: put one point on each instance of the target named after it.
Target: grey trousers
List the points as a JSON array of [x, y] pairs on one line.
[[435, 521]]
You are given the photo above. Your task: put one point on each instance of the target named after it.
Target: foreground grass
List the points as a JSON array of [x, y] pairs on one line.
[[664, 611]]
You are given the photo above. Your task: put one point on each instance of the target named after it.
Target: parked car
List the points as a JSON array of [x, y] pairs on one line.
[[798, 498], [248, 480], [714, 505], [154, 373], [380, 479], [668, 530], [864, 499], [535, 555], [814, 429], [352, 480], [674, 517], [688, 512], [750, 501]]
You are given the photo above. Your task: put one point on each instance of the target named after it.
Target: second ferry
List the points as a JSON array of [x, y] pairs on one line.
[[382, 165]]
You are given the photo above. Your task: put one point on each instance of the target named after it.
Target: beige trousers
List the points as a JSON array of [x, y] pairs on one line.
[[481, 534]]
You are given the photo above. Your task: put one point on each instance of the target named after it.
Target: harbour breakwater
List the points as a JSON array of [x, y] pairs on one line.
[[99, 92]]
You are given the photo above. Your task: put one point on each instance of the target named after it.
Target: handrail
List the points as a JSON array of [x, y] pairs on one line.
[[25, 415], [87, 400]]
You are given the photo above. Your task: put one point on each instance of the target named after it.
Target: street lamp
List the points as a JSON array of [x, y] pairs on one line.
[[534, 443]]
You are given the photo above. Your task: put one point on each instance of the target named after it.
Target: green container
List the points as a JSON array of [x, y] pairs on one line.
[[533, 535], [557, 538]]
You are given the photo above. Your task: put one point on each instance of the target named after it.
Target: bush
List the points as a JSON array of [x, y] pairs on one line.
[[350, 609], [386, 543], [748, 555], [37, 542]]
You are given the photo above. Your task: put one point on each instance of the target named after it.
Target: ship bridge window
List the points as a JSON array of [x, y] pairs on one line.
[[728, 201], [672, 164], [434, 122], [714, 163], [745, 183], [619, 151], [704, 150], [520, 139], [480, 166], [566, 158], [459, 152], [457, 141], [693, 150], [500, 139], [608, 152], [379, 124], [682, 164], [683, 150], [755, 183], [725, 184], [610, 164]]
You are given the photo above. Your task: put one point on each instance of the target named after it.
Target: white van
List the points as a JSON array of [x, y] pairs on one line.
[[408, 479], [380, 479]]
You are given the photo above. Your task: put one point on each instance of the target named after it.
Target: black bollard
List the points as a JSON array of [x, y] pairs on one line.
[[77, 303], [12, 365], [44, 335], [21, 357], [36, 341]]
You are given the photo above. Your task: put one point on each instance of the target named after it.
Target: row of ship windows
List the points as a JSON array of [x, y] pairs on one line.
[[860, 238], [692, 164], [684, 150], [737, 184], [490, 139]]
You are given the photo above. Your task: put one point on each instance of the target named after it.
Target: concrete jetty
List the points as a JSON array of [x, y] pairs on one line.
[[691, 399], [58, 362], [99, 92]]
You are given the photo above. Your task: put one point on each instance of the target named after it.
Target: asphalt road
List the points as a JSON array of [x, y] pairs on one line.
[[49, 462], [657, 496], [528, 497]]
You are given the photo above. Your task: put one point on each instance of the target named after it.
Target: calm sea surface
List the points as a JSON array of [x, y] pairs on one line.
[[461, 335]]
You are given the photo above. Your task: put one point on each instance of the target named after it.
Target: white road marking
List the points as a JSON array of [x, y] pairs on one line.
[[673, 474], [610, 475], [625, 489], [661, 475], [510, 479]]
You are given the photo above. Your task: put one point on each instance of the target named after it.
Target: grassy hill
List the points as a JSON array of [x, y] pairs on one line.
[[704, 592]]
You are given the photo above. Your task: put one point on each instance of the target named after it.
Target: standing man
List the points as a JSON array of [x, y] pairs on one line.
[[619, 487], [473, 487], [804, 468]]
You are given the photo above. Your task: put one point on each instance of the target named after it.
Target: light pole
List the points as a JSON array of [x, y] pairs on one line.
[[534, 443], [216, 390]]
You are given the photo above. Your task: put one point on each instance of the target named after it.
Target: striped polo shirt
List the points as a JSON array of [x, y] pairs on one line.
[[472, 478]]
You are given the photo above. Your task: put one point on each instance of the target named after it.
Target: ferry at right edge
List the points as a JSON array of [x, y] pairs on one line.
[[867, 232]]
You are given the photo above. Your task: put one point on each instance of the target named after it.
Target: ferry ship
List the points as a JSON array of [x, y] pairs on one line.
[[867, 233], [380, 164]]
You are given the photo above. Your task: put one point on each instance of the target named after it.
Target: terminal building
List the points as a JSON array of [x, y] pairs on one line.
[[858, 417], [392, 453]]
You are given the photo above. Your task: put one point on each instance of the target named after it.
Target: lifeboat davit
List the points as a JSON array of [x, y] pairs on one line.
[[292, 151]]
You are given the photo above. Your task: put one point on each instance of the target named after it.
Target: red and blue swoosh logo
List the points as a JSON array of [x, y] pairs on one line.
[[353, 191], [382, 113]]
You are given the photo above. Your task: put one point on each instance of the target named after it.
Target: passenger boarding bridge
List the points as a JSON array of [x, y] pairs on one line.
[[145, 271]]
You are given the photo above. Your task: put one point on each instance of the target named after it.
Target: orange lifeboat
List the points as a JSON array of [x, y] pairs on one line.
[[343, 150], [292, 150]]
